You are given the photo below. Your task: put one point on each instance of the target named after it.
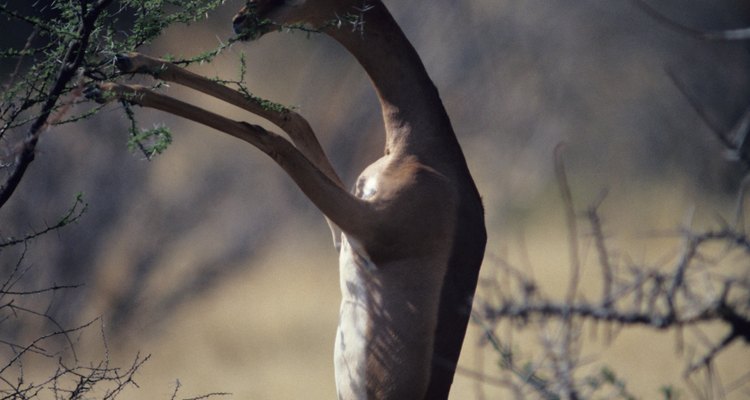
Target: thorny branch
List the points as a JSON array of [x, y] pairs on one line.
[[66, 382], [69, 378], [79, 42], [704, 283], [695, 290], [71, 216], [565, 354], [69, 65]]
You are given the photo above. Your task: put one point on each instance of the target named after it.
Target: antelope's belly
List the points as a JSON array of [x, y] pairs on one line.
[[373, 361], [350, 362], [384, 341], [350, 367]]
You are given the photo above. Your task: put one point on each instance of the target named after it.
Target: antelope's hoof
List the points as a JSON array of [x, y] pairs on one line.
[[93, 92], [101, 92], [124, 63]]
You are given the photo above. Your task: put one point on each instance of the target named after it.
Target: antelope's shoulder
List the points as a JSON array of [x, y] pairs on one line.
[[418, 204], [402, 179]]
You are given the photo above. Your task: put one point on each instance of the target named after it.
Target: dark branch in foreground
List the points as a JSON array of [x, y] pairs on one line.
[[74, 57]]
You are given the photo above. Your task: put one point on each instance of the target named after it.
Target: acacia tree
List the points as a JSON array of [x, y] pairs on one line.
[[76, 41], [64, 44]]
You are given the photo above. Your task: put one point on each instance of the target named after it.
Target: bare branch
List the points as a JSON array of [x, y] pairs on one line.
[[602, 253], [71, 216], [570, 218], [716, 35], [687, 295]]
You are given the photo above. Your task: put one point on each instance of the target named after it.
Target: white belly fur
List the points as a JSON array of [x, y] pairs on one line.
[[384, 340]]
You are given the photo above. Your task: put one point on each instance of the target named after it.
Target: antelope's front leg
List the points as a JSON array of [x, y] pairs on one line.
[[292, 123], [142, 96], [353, 215]]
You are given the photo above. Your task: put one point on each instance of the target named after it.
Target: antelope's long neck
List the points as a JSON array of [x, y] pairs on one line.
[[415, 120]]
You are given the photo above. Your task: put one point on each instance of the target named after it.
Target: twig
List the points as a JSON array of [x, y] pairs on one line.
[[570, 218], [724, 138], [603, 254], [74, 213], [717, 35]]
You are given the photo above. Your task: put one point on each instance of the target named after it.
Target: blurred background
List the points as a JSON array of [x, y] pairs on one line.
[[212, 261]]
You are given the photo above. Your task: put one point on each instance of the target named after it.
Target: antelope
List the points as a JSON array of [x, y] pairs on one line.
[[411, 234]]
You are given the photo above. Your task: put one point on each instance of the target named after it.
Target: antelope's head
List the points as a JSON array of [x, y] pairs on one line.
[[259, 17]]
